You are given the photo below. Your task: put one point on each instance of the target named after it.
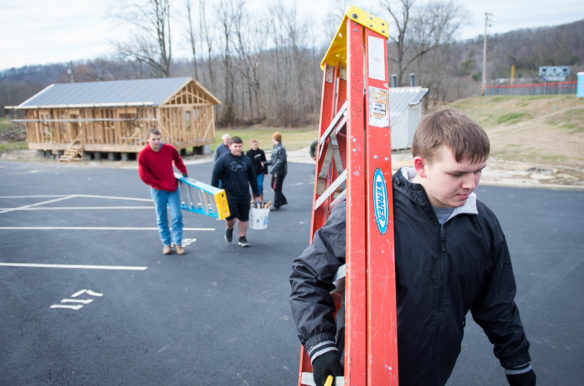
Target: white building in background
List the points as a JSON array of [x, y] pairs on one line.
[[405, 111]]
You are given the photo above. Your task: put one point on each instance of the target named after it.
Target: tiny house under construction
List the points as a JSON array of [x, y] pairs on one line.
[[113, 117]]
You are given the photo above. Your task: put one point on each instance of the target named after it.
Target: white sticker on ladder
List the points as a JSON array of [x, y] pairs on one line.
[[376, 51]]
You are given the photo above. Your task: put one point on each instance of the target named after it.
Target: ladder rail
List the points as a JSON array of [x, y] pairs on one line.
[[353, 168], [202, 198]]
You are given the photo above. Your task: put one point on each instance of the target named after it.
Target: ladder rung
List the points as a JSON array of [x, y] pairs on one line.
[[339, 120], [202, 198], [308, 379], [331, 189]]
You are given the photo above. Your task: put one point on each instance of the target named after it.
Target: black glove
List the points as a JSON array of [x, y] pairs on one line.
[[523, 379], [325, 365], [185, 175]]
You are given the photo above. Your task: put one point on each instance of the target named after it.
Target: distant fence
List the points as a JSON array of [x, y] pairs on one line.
[[549, 88]]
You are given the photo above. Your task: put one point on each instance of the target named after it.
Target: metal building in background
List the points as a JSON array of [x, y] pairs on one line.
[[405, 111]]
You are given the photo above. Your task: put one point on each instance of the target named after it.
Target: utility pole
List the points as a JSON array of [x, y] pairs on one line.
[[487, 14], [70, 72]]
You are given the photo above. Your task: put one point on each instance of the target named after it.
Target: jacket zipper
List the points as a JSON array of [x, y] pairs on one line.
[[443, 256]]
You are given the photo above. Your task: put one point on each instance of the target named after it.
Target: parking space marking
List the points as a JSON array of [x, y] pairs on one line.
[[86, 291], [79, 195], [67, 197], [35, 196], [75, 266], [64, 306], [187, 242], [37, 204], [83, 208], [114, 197], [81, 301], [97, 229]]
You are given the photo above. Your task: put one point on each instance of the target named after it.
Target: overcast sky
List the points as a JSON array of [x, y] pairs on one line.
[[50, 31]]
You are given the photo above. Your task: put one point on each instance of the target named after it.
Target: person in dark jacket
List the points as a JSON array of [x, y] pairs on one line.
[[451, 256], [258, 158], [223, 147], [236, 173], [279, 165]]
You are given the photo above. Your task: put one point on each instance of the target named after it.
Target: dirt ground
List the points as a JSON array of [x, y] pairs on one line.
[[535, 140], [497, 172]]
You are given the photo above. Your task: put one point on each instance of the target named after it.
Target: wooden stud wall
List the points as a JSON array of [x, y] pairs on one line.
[[185, 120]]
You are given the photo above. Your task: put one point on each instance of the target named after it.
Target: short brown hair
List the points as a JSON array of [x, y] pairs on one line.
[[452, 128], [277, 136], [236, 139], [154, 131]]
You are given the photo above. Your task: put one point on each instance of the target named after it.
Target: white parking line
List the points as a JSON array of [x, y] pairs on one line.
[[86, 291], [82, 208], [35, 196], [69, 307], [37, 204], [79, 195], [75, 266], [98, 229], [81, 301]]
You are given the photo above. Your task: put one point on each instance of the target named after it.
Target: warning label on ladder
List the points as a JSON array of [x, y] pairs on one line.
[[378, 107]]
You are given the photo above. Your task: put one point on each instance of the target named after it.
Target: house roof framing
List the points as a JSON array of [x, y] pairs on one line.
[[120, 93]]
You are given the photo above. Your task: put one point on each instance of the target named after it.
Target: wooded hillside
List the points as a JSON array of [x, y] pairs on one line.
[[266, 69]]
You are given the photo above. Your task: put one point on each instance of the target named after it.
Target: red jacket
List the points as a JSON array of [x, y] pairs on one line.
[[155, 168]]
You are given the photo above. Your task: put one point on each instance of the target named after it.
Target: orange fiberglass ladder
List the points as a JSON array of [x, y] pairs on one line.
[[354, 166]]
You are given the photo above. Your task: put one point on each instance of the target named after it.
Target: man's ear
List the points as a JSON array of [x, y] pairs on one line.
[[420, 166]]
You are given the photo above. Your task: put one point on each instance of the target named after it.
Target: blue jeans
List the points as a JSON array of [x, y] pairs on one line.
[[161, 199], [260, 179]]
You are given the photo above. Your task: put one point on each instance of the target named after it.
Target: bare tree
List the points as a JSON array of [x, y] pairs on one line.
[[226, 11], [333, 19], [420, 30], [400, 17], [207, 32], [250, 41], [291, 67], [191, 36], [151, 44]]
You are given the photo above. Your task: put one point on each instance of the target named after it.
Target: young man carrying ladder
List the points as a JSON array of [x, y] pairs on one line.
[[450, 252]]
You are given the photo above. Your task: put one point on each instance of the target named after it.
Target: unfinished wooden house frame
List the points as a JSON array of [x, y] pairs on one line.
[[71, 119]]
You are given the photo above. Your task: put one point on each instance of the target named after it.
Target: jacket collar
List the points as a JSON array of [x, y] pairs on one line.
[[416, 193]]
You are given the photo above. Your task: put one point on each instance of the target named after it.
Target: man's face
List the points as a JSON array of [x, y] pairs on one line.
[[448, 183], [236, 149], [227, 141], [154, 141]]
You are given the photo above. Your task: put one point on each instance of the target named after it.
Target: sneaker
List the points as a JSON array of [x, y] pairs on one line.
[[179, 249], [228, 234], [167, 250], [243, 242]]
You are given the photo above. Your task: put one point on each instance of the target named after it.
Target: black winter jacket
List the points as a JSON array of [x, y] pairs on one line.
[[257, 157], [278, 161], [236, 175], [442, 272]]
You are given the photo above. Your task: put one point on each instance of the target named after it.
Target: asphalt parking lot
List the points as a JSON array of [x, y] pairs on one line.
[[87, 297]]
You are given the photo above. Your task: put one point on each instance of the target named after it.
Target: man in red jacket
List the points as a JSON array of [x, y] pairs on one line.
[[155, 169]]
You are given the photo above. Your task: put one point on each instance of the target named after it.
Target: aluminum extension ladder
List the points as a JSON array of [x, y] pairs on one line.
[[198, 197], [354, 169]]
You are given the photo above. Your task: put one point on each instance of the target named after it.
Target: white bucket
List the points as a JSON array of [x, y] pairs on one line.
[[258, 218]]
